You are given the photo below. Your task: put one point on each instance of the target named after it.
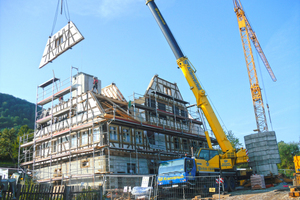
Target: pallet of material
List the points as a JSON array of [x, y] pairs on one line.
[[257, 182], [222, 196]]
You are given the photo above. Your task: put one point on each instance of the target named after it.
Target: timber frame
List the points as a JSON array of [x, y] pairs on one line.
[[92, 134]]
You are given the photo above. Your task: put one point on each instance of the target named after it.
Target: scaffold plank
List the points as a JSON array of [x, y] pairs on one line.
[[49, 82], [56, 95], [26, 144], [44, 119]]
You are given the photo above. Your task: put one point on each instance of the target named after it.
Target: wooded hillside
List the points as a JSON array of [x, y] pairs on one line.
[[15, 112]]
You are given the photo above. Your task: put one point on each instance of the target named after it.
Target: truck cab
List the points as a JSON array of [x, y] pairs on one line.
[[176, 173]]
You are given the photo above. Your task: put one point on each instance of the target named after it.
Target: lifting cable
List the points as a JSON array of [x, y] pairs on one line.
[[63, 4], [264, 89]]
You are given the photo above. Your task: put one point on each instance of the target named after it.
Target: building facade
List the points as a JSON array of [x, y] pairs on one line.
[[85, 135]]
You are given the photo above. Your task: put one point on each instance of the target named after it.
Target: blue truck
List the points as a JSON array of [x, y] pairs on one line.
[[176, 173]]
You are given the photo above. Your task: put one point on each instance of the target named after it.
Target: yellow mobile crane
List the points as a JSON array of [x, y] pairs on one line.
[[207, 160], [247, 33]]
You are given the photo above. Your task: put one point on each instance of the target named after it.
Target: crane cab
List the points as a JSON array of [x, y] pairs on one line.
[[207, 160]]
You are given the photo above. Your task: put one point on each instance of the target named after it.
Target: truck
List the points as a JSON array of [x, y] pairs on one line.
[[295, 189], [207, 161]]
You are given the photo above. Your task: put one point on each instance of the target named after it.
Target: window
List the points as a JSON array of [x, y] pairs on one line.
[[167, 91], [84, 138], [131, 168], [54, 146], [185, 144], [213, 154], [151, 137], [74, 141], [59, 41], [126, 135], [204, 154], [151, 103], [183, 113], [65, 139], [138, 137], [161, 106], [38, 150], [96, 134], [85, 163], [189, 164], [176, 143], [113, 133], [176, 110]]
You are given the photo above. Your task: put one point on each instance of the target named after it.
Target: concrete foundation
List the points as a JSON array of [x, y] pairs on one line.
[[263, 153]]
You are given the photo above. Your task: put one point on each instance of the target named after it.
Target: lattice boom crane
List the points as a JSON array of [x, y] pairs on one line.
[[248, 34]]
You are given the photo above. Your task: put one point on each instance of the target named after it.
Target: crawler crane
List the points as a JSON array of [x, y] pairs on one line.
[[207, 161], [247, 33]]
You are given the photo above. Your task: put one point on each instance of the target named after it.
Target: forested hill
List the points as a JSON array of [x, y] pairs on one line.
[[15, 112]]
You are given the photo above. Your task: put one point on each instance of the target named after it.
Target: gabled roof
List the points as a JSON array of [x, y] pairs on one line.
[[113, 92], [164, 88]]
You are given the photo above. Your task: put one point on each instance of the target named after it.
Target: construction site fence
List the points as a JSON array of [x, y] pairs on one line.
[[116, 187], [129, 186], [48, 192], [197, 188]]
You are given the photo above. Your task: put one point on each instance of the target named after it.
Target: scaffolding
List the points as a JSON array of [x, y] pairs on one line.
[[81, 139]]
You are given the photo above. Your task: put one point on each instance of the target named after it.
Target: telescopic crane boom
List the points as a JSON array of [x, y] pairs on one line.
[[247, 33], [199, 93]]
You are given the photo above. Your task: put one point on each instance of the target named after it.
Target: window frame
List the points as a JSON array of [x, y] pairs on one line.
[[117, 133], [84, 133], [54, 146], [124, 139], [174, 141], [151, 137], [185, 144], [142, 137], [76, 139], [93, 137]]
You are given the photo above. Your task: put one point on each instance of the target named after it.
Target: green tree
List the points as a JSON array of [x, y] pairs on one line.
[[7, 144], [234, 141], [287, 151], [10, 141]]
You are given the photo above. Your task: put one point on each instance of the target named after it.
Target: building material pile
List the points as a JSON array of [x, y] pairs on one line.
[[257, 182], [263, 153]]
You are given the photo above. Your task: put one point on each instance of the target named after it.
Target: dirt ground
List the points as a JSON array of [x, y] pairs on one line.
[[278, 192]]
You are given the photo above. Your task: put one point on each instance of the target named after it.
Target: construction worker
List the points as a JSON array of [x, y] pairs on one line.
[[95, 84], [61, 100]]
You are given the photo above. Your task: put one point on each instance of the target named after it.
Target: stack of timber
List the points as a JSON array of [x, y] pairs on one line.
[[257, 182]]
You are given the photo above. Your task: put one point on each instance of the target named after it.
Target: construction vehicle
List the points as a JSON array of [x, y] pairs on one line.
[[207, 161], [247, 33], [295, 189]]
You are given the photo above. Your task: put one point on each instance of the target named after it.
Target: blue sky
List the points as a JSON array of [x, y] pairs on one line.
[[123, 44]]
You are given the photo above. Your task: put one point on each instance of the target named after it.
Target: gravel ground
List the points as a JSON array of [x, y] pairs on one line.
[[279, 192]]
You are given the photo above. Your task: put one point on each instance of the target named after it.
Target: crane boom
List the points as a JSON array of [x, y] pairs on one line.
[[238, 7], [247, 33], [189, 73]]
